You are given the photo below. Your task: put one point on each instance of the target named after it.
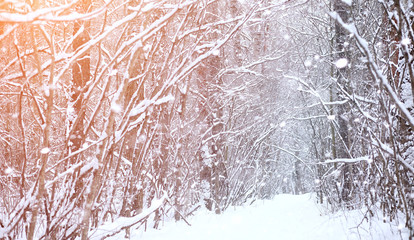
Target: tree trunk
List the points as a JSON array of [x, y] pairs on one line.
[[80, 76], [342, 148]]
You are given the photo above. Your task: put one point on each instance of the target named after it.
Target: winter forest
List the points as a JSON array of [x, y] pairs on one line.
[[126, 113]]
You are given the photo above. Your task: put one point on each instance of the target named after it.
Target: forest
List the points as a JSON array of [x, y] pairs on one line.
[[130, 112]]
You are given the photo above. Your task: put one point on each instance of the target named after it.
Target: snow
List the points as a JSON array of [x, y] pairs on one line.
[[45, 151], [207, 157], [8, 170], [331, 117], [308, 63], [216, 52], [116, 108], [46, 89], [406, 95], [350, 160], [92, 164], [113, 72], [341, 63], [405, 42], [363, 44], [165, 99], [123, 222], [286, 217], [142, 106]]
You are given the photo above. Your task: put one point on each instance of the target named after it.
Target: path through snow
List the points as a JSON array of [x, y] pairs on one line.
[[286, 217]]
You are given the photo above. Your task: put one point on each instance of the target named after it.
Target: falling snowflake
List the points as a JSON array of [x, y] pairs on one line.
[[45, 151], [8, 170], [341, 63]]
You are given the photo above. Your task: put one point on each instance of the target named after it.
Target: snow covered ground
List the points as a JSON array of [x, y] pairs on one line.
[[285, 217]]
